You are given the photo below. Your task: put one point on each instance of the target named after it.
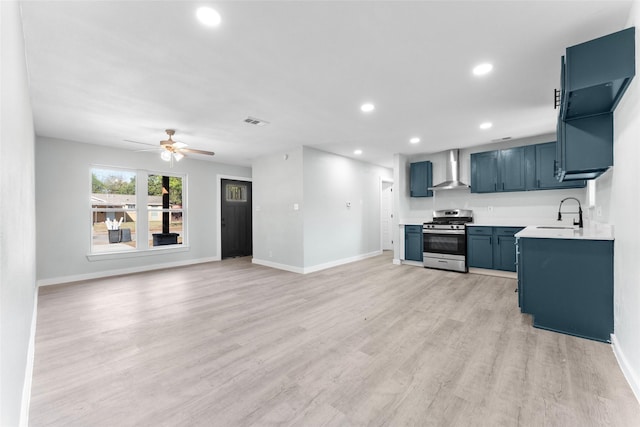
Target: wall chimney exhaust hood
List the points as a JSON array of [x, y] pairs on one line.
[[452, 173]]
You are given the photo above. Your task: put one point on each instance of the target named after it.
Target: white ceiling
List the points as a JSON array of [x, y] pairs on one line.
[[105, 72]]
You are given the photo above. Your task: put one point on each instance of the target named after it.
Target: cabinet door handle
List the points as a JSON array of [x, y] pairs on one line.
[[503, 185], [538, 184], [495, 186]]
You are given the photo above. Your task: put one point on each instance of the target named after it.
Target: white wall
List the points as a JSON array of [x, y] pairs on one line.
[[277, 227], [323, 231], [63, 219], [333, 231], [17, 220], [618, 192]]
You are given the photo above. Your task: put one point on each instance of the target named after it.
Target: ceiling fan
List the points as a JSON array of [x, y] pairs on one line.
[[174, 150]]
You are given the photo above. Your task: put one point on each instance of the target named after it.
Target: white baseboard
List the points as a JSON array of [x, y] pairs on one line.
[[278, 266], [343, 261], [119, 272], [496, 273], [627, 370], [397, 261], [414, 263], [313, 269], [28, 374]]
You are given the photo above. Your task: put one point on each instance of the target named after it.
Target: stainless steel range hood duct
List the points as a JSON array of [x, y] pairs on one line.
[[452, 173]]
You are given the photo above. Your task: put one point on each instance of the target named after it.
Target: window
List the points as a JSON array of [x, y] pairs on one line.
[[164, 207], [236, 193], [136, 210], [113, 213]]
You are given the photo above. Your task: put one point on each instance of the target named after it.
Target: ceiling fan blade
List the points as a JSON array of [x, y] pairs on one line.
[[192, 150], [147, 149], [138, 142], [178, 144]]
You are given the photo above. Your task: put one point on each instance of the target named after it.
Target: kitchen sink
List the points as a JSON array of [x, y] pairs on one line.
[[552, 227]]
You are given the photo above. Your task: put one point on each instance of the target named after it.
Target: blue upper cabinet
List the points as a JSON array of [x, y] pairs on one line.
[[524, 168], [545, 165], [597, 73], [511, 172], [421, 179], [585, 147], [594, 76], [484, 172]]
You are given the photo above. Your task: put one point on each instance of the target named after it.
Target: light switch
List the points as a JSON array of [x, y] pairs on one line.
[[295, 207]]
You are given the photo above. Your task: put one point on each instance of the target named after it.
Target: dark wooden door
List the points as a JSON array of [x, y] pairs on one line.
[[236, 218]]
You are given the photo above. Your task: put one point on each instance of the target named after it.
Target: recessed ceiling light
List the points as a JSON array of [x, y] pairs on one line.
[[208, 16], [414, 140], [482, 69], [367, 108], [357, 152], [486, 125]]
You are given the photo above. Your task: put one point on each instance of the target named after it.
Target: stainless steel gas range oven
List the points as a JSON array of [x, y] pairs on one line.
[[445, 240]]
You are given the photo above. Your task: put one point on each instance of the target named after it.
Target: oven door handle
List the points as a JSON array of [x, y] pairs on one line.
[[433, 231]]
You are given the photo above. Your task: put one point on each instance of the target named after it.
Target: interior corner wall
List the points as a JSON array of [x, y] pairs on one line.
[[17, 219], [277, 224], [63, 187], [618, 189], [341, 208]]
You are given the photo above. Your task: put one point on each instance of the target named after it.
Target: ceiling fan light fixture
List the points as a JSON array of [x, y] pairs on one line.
[[178, 156], [166, 155]]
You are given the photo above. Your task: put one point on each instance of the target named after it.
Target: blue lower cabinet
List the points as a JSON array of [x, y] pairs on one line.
[[413, 243], [492, 247], [504, 249], [480, 247], [567, 285]]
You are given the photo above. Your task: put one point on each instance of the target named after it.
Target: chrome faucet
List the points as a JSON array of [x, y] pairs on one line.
[[579, 223]]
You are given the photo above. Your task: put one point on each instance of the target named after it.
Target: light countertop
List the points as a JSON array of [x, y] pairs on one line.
[[589, 232]]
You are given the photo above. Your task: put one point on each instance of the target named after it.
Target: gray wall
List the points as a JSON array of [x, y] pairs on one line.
[[618, 197], [63, 189], [333, 231], [277, 227], [17, 218], [323, 231]]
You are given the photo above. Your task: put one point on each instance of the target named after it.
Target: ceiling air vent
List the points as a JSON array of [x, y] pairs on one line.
[[506, 138], [254, 121]]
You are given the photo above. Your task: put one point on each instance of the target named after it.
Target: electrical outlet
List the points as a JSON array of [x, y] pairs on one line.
[[270, 254], [599, 211], [490, 208]]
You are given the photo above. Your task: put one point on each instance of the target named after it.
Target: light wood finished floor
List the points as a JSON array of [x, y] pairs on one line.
[[370, 343]]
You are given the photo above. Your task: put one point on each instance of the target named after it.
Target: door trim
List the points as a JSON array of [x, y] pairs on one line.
[[219, 178], [381, 183]]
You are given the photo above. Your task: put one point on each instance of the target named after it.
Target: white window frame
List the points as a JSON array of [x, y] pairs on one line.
[[142, 211]]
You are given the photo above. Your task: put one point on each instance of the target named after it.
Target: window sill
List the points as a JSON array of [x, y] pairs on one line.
[[137, 253]]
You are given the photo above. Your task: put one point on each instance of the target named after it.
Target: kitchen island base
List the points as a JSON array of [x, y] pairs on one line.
[[567, 285]]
